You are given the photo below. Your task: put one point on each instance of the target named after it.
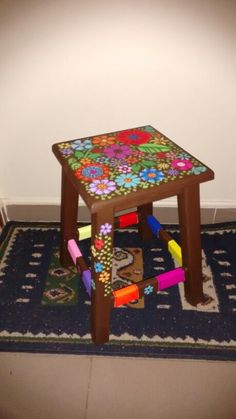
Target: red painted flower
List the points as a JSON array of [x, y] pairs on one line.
[[133, 137], [161, 155], [98, 244]]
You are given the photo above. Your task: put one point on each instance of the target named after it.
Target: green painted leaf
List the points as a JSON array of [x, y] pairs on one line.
[[148, 163], [72, 160], [93, 156], [79, 154], [153, 148], [136, 168], [75, 165]]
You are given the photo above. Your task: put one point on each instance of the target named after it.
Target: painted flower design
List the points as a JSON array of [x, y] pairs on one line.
[[163, 165], [138, 153], [198, 170], [82, 144], [104, 276], [102, 187], [132, 160], [103, 160], [98, 267], [85, 161], [66, 151], [103, 140], [105, 229], [91, 171], [133, 137], [117, 151], [171, 155], [182, 164], [125, 169], [185, 156], [117, 163], [127, 180], [64, 145], [152, 175], [161, 155], [148, 290], [173, 172], [99, 244]]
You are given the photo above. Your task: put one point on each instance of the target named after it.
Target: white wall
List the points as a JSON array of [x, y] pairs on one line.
[[69, 69]]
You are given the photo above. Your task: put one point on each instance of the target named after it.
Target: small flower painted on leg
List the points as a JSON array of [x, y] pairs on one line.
[[148, 290], [105, 229], [99, 244], [98, 267], [104, 277]]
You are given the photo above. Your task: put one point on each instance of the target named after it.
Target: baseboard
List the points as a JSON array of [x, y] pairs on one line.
[[3, 214], [166, 214]]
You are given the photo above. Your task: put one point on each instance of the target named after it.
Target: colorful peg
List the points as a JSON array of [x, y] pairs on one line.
[[175, 251], [74, 250], [128, 219], [87, 280], [125, 295], [154, 225], [170, 278], [85, 232]]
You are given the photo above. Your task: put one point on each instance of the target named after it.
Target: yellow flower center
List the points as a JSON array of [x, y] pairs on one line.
[[102, 186]]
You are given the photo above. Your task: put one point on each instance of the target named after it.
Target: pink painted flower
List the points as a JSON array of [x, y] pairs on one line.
[[117, 151], [182, 164], [125, 169]]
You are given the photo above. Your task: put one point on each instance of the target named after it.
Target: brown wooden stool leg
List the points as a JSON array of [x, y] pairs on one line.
[[69, 209], [101, 267], [144, 230], [189, 220]]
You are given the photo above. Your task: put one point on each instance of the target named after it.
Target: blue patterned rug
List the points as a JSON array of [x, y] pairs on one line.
[[45, 308]]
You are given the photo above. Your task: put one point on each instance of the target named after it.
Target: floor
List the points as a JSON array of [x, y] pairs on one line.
[[37, 386]]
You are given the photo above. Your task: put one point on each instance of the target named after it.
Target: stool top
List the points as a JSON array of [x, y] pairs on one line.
[[139, 165]]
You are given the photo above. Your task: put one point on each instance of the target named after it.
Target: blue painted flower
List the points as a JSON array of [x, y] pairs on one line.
[[98, 267], [148, 289], [82, 144], [198, 170], [127, 180], [92, 172], [152, 175]]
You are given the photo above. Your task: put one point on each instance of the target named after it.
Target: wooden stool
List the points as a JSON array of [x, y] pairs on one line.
[[118, 171]]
